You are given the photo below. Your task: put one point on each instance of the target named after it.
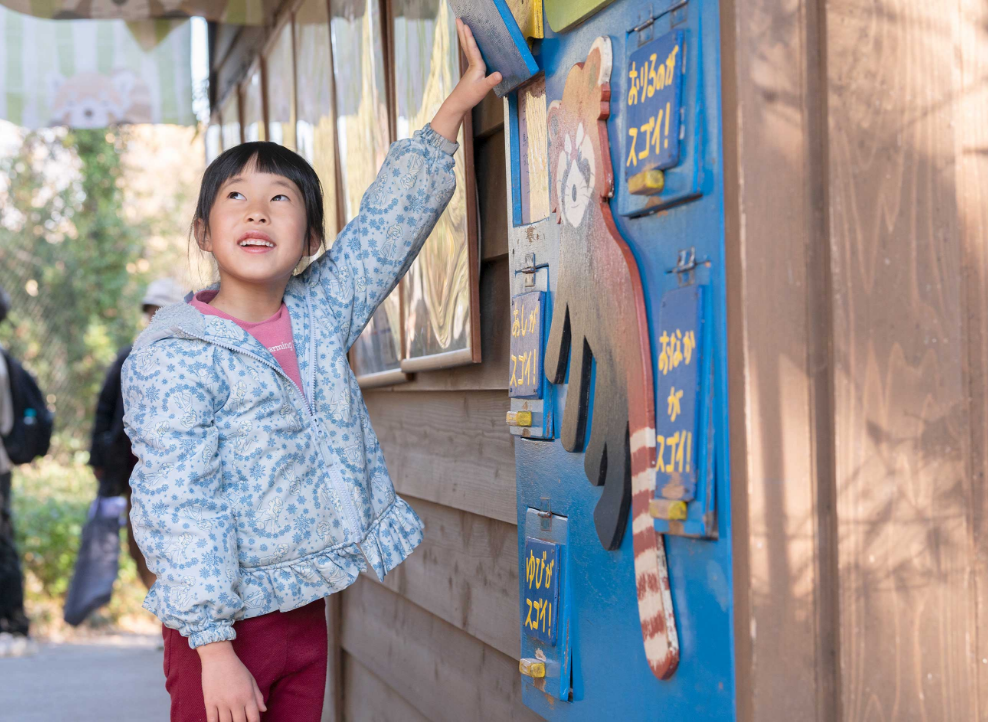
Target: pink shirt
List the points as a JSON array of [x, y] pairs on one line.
[[275, 334]]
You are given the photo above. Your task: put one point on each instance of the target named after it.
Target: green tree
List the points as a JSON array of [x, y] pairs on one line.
[[70, 262]]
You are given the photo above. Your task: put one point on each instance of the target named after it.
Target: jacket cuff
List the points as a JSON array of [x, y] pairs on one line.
[[431, 137], [219, 633]]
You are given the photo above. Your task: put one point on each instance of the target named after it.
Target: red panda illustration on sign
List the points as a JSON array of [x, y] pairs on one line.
[[599, 316]]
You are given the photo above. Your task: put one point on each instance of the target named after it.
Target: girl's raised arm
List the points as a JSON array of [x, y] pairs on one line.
[[184, 526]]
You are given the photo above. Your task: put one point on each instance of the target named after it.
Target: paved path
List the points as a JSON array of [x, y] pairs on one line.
[[112, 679]]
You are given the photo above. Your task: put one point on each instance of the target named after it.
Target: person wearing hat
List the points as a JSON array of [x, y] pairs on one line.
[[110, 454]]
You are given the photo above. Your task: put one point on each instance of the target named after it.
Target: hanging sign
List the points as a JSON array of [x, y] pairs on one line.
[[678, 387], [541, 605], [526, 345], [653, 114]]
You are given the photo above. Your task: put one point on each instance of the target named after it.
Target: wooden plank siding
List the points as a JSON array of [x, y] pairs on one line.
[[971, 141], [449, 447], [901, 415], [442, 671], [858, 328], [465, 572], [370, 699]]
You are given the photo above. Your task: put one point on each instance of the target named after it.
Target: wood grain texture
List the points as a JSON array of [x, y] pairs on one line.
[[971, 143], [370, 699], [446, 674], [450, 448], [900, 401], [465, 572], [778, 285], [495, 341]]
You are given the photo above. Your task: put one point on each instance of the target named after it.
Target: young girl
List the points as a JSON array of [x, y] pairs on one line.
[[261, 487]]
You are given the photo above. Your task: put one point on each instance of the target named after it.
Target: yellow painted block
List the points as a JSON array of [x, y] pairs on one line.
[[647, 183], [528, 13], [532, 668], [519, 418], [670, 510]]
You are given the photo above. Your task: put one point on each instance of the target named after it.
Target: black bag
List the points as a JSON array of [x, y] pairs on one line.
[[97, 564], [33, 422]]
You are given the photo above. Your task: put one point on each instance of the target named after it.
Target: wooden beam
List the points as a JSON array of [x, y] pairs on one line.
[[446, 674], [370, 699], [778, 296], [901, 405], [332, 708], [488, 116], [492, 189], [465, 572], [450, 448]]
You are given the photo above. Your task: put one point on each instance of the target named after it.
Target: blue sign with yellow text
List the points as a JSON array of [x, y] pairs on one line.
[[653, 115], [541, 604], [678, 386], [526, 345]]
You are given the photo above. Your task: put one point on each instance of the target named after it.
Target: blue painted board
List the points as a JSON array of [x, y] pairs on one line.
[[677, 386], [527, 314], [653, 120], [541, 587], [611, 679], [500, 41]]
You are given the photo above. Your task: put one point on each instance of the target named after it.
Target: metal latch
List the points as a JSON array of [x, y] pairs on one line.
[[686, 265], [530, 268]]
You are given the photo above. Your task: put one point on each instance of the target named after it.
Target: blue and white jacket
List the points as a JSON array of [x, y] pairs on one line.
[[250, 498]]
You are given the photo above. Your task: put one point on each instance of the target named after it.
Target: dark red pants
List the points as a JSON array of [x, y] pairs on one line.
[[286, 653]]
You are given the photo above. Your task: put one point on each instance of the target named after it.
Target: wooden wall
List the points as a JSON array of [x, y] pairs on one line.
[[439, 638], [857, 162]]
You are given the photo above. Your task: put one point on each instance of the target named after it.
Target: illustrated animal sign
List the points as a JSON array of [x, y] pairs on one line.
[[94, 100], [599, 316]]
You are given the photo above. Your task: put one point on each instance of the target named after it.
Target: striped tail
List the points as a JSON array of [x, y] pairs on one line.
[[651, 572]]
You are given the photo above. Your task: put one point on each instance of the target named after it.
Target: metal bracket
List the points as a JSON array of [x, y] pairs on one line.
[[649, 21], [545, 513], [530, 268], [686, 265]]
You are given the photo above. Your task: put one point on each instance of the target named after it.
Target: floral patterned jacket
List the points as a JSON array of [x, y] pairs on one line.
[[250, 498]]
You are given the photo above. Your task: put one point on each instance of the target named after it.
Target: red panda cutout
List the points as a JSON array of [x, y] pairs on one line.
[[599, 315]]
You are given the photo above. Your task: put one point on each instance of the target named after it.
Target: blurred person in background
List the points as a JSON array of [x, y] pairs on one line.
[[110, 454], [14, 640]]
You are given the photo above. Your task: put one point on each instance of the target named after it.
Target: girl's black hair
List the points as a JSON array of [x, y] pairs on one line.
[[265, 158]]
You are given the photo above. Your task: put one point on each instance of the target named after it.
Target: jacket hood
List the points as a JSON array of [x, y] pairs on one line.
[[183, 320]]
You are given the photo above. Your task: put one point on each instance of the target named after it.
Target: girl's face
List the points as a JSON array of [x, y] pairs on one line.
[[257, 227]]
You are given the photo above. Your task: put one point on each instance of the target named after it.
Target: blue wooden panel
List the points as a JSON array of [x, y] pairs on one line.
[[652, 124], [541, 586], [527, 323], [611, 679], [499, 38], [677, 388]]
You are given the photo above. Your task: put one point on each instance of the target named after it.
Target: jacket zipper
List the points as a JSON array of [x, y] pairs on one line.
[[344, 493]]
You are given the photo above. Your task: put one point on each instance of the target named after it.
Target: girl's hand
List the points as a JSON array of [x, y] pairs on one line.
[[228, 687], [474, 85]]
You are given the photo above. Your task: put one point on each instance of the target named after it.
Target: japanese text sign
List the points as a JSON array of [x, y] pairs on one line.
[[652, 114], [526, 345], [678, 386], [541, 599]]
